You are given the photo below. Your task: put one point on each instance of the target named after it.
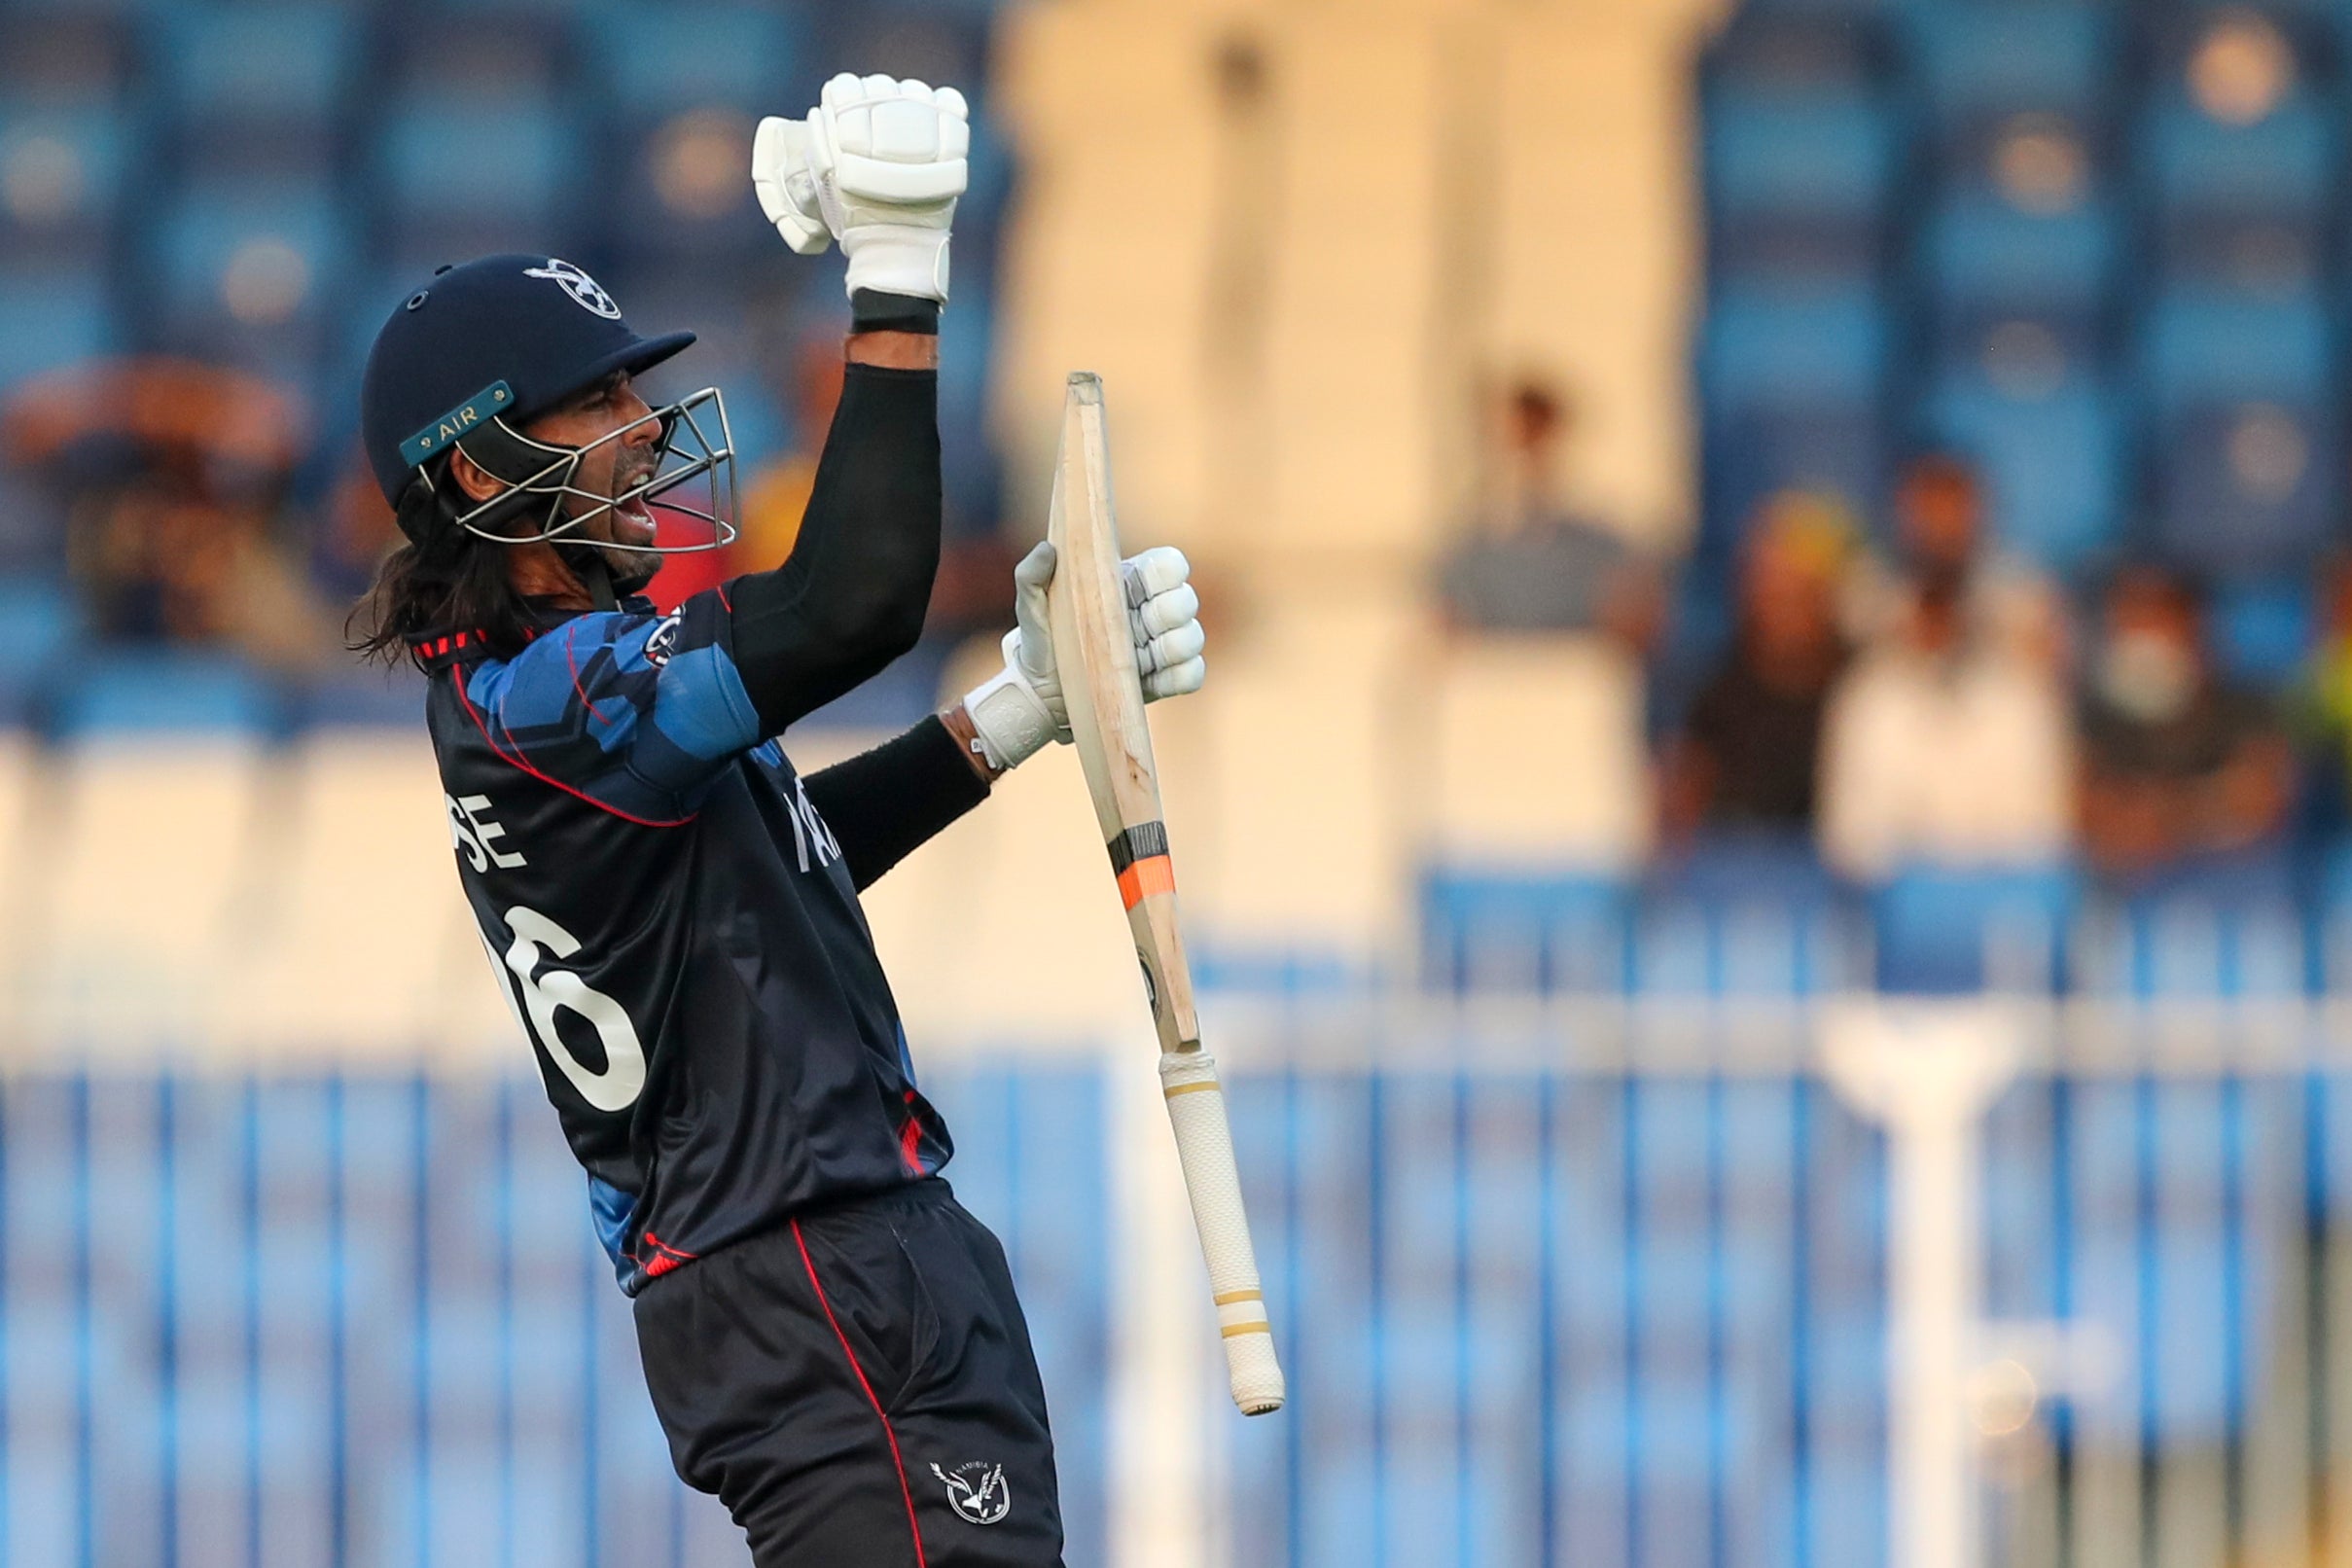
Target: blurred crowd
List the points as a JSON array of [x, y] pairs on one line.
[[1903, 692], [190, 513]]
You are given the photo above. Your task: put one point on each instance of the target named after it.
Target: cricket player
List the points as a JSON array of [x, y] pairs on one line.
[[830, 1341]]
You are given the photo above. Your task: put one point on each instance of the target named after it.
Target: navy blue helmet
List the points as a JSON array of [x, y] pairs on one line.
[[482, 349]]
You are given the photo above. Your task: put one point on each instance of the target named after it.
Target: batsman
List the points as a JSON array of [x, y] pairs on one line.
[[832, 1342]]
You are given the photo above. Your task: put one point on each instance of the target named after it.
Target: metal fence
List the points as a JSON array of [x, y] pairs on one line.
[[363, 1320], [1592, 1287]]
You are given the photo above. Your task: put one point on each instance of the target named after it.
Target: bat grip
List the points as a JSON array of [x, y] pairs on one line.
[[1204, 1145]]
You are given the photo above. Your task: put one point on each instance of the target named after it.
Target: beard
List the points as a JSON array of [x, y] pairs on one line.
[[629, 561]]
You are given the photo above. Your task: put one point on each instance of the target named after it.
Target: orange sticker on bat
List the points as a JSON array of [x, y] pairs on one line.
[[1139, 881]]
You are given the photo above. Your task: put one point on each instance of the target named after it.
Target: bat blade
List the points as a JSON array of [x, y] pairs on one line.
[[1095, 652]]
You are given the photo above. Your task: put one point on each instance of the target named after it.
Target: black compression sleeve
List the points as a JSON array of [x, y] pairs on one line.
[[851, 596], [884, 804]]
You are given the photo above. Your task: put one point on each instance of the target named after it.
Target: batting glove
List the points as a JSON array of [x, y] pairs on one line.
[[878, 165], [787, 188], [1017, 710]]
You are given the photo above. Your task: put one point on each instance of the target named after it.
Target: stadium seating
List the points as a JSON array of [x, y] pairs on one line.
[[51, 318], [233, 75], [1791, 386], [1981, 63], [2053, 459]]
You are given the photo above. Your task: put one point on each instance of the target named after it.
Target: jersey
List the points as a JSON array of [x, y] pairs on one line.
[[677, 932]]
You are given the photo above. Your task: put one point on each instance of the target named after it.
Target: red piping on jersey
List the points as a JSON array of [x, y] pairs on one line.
[[910, 1139], [573, 664], [458, 680], [908, 1492], [666, 1257]]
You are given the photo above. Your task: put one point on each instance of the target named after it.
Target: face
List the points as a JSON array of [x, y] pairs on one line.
[[611, 469], [2152, 661], [1786, 600], [607, 470], [2148, 607], [1940, 515]]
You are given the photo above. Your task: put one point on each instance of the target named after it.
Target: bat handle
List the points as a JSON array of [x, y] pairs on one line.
[[1204, 1145]]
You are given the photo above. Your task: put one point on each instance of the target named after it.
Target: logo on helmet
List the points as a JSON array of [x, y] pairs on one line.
[[585, 292]]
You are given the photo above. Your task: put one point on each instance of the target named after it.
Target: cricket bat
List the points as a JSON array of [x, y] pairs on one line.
[[1087, 607]]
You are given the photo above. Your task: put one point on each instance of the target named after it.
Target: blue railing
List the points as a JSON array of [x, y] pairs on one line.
[[1561, 1291], [363, 1320]]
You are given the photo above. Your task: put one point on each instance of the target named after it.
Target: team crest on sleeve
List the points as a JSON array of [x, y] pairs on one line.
[[585, 292], [978, 1491], [662, 640]]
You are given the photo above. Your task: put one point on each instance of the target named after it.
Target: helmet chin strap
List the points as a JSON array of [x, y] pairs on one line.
[[605, 589]]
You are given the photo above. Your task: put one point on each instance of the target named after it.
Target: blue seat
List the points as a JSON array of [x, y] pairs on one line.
[[2263, 629], [1983, 255], [1799, 45], [2282, 167], [1522, 932], [735, 57], [69, 58], [2245, 395], [33, 14], [1798, 143], [1791, 389], [1764, 347], [2250, 489], [1799, 180], [1942, 930], [39, 622], [2054, 465], [149, 693], [218, 226], [2334, 885], [356, 699], [444, 157], [50, 319], [1982, 61], [73, 158], [2201, 347], [291, 66]]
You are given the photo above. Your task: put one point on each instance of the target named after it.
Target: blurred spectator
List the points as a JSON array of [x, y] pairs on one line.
[[355, 532], [1532, 564], [2006, 603], [2242, 69], [1944, 747], [1748, 753], [2176, 762], [175, 477], [2324, 705]]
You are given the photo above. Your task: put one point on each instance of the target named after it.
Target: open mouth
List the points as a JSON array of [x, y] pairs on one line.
[[633, 518]]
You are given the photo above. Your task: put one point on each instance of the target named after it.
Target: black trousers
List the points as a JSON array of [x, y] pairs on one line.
[[859, 1390]]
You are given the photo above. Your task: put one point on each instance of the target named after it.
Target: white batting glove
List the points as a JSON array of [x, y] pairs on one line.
[[1017, 710], [884, 162], [787, 188]]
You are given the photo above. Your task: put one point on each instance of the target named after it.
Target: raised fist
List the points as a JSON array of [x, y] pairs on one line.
[[878, 165]]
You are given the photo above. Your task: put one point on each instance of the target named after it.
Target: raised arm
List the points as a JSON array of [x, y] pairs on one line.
[[878, 165], [851, 596]]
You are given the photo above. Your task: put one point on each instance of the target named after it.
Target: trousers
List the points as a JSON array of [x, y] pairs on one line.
[[858, 1388]]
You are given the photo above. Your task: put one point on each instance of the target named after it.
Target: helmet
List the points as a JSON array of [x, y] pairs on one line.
[[484, 348]]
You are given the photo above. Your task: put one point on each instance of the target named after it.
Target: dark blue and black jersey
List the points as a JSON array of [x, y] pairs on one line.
[[670, 907]]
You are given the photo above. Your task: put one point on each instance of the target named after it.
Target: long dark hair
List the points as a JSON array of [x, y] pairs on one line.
[[444, 578]]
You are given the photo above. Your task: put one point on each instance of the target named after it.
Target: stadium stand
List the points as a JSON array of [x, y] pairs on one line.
[[1581, 1307]]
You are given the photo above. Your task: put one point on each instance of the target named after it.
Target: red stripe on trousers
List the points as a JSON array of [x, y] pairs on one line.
[[896, 1463]]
